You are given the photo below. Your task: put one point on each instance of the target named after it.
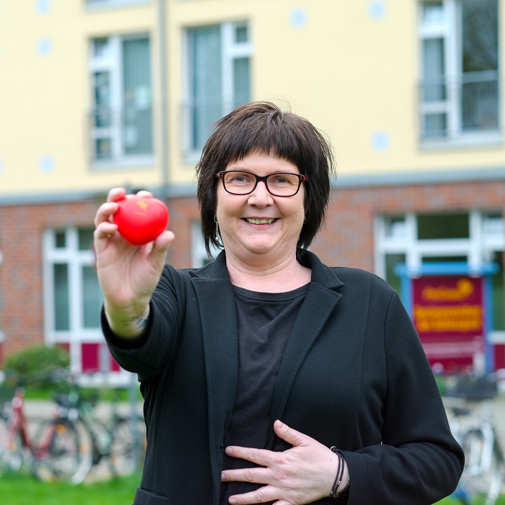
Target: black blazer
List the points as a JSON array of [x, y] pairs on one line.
[[354, 375]]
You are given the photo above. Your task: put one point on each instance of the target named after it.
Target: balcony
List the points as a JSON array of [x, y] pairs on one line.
[[463, 112], [121, 137]]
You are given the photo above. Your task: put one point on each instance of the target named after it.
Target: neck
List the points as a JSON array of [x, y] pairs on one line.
[[266, 276]]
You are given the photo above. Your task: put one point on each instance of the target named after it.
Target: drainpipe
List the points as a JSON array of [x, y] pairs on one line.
[[162, 49]]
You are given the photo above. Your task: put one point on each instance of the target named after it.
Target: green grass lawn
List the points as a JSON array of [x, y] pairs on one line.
[[448, 501], [16, 489]]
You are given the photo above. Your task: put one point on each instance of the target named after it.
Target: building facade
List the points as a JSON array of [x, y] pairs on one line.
[[104, 93]]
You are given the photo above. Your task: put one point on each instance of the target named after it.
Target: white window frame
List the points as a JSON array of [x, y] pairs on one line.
[[198, 252], [77, 334], [478, 247], [106, 4], [112, 62], [230, 50], [450, 31]]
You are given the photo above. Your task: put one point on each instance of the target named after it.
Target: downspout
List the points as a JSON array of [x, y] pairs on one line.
[[162, 48]]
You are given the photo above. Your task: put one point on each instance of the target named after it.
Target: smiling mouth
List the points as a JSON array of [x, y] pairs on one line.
[[259, 221]]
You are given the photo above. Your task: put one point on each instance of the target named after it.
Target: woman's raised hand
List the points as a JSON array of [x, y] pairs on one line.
[[303, 474], [128, 274]]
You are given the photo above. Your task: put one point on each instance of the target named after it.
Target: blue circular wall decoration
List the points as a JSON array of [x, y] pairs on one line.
[[43, 6], [46, 164], [298, 18], [44, 47], [377, 9], [380, 141]]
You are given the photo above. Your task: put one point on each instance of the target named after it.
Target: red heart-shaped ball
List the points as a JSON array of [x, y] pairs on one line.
[[140, 220]]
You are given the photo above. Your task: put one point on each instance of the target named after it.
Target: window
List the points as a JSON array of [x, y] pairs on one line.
[[73, 299], [474, 237], [459, 92], [199, 257], [218, 79], [121, 117]]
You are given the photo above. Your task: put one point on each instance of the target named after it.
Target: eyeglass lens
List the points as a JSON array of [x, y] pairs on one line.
[[242, 183]]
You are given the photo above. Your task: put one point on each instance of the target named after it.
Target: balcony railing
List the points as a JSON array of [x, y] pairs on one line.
[[454, 108], [119, 134]]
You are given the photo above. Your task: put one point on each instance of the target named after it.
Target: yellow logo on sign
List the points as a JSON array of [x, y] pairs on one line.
[[464, 288]]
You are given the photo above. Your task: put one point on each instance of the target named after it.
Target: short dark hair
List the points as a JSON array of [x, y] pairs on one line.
[[264, 127]]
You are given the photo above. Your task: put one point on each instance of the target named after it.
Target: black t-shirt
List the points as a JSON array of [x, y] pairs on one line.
[[265, 321]]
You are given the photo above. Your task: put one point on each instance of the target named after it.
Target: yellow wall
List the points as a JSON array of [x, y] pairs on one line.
[[351, 75]]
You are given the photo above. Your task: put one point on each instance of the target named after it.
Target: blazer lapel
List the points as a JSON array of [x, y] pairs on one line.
[[319, 303], [216, 301]]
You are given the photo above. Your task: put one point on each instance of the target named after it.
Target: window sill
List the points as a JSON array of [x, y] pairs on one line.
[[113, 4], [464, 141], [145, 162]]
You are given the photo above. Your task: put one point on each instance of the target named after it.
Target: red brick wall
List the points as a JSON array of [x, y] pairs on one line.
[[346, 240], [21, 230], [348, 237]]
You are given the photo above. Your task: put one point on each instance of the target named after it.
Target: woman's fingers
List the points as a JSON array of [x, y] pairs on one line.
[[116, 194], [295, 438]]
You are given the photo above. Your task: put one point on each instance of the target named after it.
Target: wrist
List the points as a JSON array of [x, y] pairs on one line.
[[128, 321]]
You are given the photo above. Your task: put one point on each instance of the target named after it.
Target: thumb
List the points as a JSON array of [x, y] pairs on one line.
[[293, 437], [161, 245]]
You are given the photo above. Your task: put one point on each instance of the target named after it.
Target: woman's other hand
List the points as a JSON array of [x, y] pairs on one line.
[[128, 274], [303, 474]]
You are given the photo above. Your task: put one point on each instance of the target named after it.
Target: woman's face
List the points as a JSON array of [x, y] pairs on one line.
[[243, 235]]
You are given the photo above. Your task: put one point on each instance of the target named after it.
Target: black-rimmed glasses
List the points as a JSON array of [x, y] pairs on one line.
[[238, 182]]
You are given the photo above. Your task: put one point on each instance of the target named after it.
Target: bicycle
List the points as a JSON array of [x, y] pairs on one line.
[[116, 439], [54, 454], [482, 476]]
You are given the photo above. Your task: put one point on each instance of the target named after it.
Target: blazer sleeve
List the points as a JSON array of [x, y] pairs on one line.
[[159, 341], [418, 461]]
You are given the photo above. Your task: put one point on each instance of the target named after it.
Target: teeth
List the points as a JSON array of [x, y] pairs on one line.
[[260, 221]]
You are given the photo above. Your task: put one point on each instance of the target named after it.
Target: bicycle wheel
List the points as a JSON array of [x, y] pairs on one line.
[[127, 446], [11, 449], [59, 449], [482, 476]]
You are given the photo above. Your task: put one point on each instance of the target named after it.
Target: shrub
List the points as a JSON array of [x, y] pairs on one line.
[[35, 364]]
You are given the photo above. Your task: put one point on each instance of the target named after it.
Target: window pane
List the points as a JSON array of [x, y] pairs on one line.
[[498, 299], [206, 105], [435, 125], [241, 81], [103, 148], [85, 238], [101, 95], [396, 227], [241, 34], [137, 113], [493, 225], [479, 104], [61, 298], [433, 70], [443, 226], [433, 13], [92, 298], [479, 22], [392, 279], [100, 46], [444, 259], [60, 239]]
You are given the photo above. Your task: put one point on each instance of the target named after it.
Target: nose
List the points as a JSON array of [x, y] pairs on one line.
[[260, 196]]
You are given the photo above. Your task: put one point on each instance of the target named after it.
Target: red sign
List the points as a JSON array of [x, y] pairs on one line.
[[449, 317]]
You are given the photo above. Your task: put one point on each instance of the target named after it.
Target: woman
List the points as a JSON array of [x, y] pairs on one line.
[[269, 377]]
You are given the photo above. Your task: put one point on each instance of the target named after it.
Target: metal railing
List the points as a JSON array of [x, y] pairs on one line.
[[450, 108], [120, 133]]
